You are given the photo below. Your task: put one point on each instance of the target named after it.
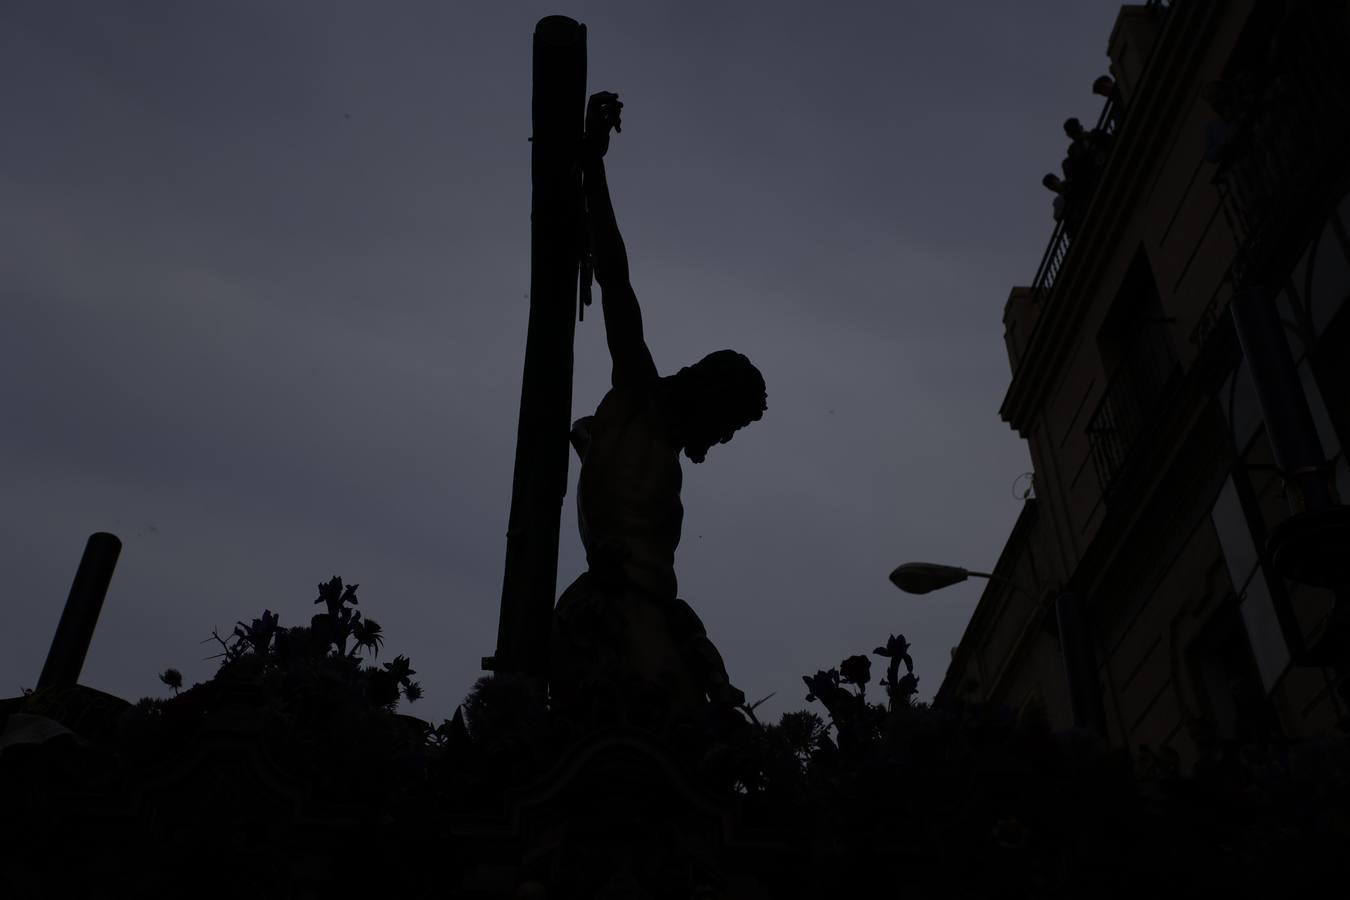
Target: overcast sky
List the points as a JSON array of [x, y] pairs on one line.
[[264, 271]]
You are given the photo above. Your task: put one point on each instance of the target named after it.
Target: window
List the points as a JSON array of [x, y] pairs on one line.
[[1332, 366], [1263, 631], [1133, 339], [1235, 535], [1240, 539], [1325, 272], [1326, 432], [1137, 354], [1228, 677], [1241, 407]]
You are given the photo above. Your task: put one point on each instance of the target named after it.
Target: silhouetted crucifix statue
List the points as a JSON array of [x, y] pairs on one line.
[[622, 618], [621, 623]]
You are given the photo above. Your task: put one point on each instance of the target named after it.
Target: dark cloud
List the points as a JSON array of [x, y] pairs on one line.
[[264, 279]]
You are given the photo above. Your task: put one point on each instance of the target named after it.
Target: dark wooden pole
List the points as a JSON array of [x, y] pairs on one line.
[[540, 483], [76, 628]]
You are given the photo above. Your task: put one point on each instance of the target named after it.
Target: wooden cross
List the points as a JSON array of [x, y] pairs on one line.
[[540, 482]]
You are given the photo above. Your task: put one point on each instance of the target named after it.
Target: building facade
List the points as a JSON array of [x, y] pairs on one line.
[[1139, 596]]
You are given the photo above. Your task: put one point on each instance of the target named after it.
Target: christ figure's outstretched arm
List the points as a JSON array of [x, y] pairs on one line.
[[623, 319]]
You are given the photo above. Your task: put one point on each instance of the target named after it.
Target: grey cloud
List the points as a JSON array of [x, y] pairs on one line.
[[265, 288]]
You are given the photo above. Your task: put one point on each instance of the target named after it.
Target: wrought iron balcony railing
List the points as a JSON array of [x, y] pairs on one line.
[[1051, 262], [1058, 249], [1132, 396]]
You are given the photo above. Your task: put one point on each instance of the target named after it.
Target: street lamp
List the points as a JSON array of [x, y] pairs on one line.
[[922, 577], [1080, 668]]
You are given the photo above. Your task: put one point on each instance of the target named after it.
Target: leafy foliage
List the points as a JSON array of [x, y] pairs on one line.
[[893, 797], [1009, 808], [173, 678], [325, 714], [900, 690]]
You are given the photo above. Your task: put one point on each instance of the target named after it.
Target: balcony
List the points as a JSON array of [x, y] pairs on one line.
[[1052, 261], [1053, 258], [1282, 161], [1143, 378]]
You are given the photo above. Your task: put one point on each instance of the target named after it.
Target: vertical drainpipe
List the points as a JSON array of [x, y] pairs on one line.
[[1080, 664]]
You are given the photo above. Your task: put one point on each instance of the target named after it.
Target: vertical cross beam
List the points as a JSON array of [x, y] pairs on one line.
[[540, 483]]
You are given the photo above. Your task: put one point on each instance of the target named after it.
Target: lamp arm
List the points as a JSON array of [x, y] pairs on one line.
[[1003, 579]]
